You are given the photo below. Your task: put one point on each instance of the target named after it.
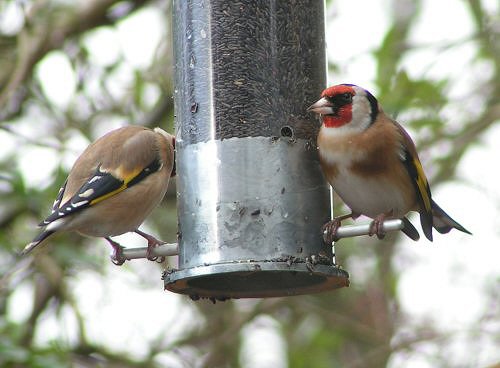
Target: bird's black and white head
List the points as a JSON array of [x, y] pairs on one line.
[[346, 107]]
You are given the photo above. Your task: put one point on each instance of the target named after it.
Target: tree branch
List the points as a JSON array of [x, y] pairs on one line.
[[45, 35]]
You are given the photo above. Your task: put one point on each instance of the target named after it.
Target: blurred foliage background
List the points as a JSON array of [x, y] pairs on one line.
[[44, 314]]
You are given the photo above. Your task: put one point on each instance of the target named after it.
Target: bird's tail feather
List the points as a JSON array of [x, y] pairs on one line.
[[443, 223], [410, 230], [39, 239]]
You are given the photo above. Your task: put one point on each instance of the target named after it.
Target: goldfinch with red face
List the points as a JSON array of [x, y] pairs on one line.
[[372, 164], [113, 186]]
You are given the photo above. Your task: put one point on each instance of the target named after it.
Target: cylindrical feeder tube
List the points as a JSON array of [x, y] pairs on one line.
[[251, 195]]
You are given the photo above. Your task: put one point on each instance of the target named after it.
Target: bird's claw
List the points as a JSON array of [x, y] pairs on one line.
[[117, 256], [329, 231], [149, 252], [376, 228], [152, 243], [377, 225]]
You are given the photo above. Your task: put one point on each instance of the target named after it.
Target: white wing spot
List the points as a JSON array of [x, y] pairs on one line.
[[56, 225], [87, 193], [78, 204], [95, 178]]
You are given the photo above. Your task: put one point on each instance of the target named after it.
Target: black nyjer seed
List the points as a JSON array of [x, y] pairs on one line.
[[251, 66]]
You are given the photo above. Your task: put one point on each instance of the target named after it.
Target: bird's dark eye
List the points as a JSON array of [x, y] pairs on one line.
[[346, 98], [342, 99]]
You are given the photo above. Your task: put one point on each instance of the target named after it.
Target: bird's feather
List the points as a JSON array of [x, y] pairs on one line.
[[99, 187], [60, 195], [41, 237], [443, 222], [410, 230], [414, 168]]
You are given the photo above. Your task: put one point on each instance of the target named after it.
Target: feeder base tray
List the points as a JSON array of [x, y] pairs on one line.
[[255, 279]]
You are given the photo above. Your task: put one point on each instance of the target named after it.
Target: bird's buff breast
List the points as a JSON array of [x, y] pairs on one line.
[[366, 195]]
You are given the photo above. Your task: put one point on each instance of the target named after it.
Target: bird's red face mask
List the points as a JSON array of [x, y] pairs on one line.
[[335, 105]]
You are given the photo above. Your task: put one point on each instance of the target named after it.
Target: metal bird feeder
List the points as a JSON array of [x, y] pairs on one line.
[[251, 196]]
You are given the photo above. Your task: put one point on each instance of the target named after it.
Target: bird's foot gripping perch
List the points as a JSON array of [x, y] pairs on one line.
[[370, 229], [117, 257], [377, 225], [152, 243], [329, 230]]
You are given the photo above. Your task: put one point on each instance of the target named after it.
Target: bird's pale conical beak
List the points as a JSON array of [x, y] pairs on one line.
[[322, 106]]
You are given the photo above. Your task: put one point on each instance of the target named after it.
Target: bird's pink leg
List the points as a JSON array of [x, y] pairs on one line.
[[152, 243], [377, 225], [329, 230], [117, 257]]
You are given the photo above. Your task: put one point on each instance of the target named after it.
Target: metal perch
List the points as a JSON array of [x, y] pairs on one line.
[[357, 230], [164, 250], [172, 249]]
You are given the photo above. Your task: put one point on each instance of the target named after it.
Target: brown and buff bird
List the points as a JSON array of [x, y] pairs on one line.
[[372, 164], [113, 186]]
